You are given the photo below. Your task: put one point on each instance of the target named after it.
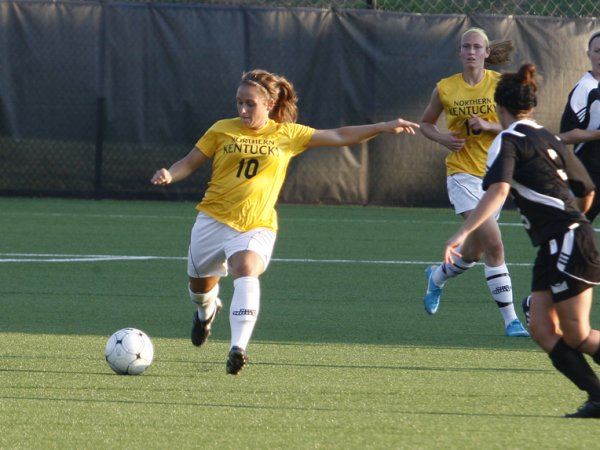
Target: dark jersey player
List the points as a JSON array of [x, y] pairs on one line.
[[580, 122], [552, 190]]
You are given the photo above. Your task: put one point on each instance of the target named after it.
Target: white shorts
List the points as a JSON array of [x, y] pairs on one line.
[[464, 191], [212, 243]]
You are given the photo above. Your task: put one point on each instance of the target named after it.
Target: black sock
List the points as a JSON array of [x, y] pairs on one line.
[[596, 356], [574, 366]]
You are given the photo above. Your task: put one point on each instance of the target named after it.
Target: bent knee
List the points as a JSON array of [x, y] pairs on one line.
[[544, 336], [202, 285], [575, 338], [495, 249]]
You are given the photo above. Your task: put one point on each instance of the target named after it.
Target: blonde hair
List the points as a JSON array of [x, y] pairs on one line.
[[277, 89], [500, 51], [480, 32]]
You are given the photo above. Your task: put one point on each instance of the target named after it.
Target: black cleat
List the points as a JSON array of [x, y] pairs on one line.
[[236, 360], [201, 328], [526, 305], [589, 410]]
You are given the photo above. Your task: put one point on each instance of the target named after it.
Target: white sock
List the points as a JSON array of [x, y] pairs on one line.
[[205, 302], [500, 284], [244, 310], [444, 272]]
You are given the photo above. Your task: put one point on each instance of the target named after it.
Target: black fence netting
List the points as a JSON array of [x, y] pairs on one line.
[[95, 96], [557, 8]]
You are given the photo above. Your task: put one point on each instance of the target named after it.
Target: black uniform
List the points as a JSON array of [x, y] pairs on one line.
[[582, 111], [545, 177]]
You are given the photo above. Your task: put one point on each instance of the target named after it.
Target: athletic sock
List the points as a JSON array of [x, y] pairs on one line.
[[206, 302], [574, 366], [500, 284], [244, 310], [444, 272], [596, 356]]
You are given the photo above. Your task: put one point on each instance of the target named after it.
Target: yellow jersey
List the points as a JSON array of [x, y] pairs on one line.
[[460, 100], [249, 168]]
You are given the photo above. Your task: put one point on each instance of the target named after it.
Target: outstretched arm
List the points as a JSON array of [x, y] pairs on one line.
[[339, 137], [181, 169], [492, 200]]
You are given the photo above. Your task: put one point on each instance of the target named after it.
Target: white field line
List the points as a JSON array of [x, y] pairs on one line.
[[59, 257], [191, 218], [71, 258]]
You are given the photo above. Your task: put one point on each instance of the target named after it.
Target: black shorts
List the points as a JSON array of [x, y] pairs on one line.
[[568, 264]]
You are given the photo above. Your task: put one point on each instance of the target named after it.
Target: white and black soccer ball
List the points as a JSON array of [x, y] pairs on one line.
[[129, 351]]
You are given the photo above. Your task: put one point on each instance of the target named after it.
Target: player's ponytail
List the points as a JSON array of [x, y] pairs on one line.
[[517, 91], [278, 89], [500, 52], [286, 107]]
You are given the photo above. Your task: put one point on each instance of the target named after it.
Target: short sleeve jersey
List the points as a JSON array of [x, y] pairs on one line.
[[461, 100], [249, 168], [583, 111], [544, 177]]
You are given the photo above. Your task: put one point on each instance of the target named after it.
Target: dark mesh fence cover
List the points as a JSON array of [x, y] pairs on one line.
[[94, 97]]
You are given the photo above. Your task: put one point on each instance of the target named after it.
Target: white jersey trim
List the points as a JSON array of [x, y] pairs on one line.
[[579, 104], [536, 197], [497, 142]]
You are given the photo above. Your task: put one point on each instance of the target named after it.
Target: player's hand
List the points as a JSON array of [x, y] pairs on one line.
[[161, 177], [403, 126], [452, 246], [477, 124], [453, 142]]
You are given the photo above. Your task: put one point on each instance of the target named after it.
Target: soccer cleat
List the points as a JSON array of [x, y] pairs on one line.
[[589, 410], [526, 305], [236, 360], [201, 328], [516, 329], [433, 294]]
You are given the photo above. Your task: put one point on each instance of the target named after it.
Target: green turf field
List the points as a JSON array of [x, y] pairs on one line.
[[343, 355]]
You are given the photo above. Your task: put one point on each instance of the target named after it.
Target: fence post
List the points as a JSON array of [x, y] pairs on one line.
[[100, 114], [100, 105]]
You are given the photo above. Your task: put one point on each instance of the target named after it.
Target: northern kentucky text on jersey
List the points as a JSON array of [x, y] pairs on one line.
[[477, 106], [252, 146]]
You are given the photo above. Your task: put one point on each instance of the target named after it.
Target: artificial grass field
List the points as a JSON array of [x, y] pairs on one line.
[[343, 355]]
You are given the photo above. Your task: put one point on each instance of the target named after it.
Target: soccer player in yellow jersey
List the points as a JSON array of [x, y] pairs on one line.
[[467, 101], [236, 225]]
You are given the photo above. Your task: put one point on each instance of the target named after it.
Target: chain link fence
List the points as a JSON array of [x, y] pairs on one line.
[[552, 8]]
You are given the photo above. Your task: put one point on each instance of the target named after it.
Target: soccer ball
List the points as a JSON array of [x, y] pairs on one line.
[[129, 351]]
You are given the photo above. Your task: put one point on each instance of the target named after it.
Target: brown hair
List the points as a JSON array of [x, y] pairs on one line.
[[517, 91], [500, 51], [278, 89]]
